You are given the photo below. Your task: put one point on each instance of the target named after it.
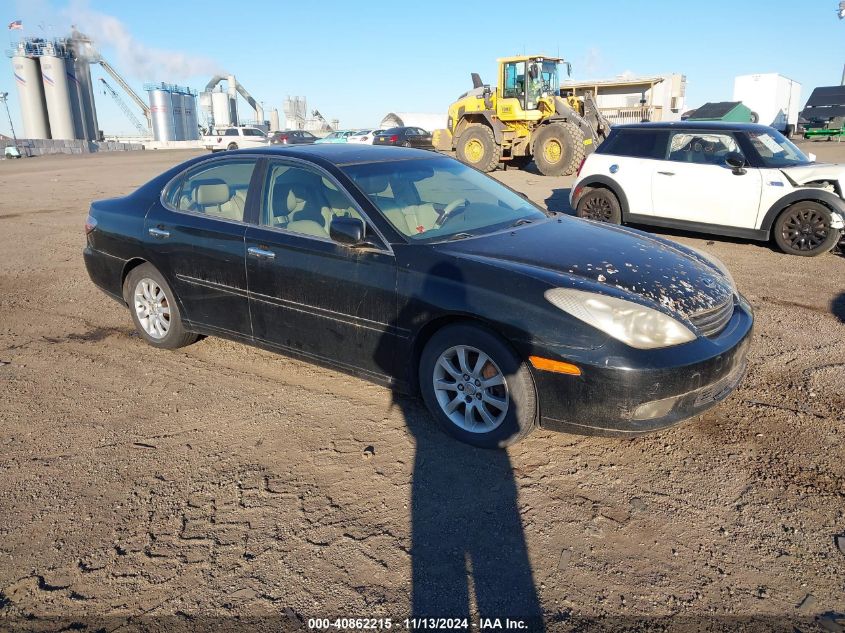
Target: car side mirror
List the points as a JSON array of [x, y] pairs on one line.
[[351, 232], [736, 162], [811, 157]]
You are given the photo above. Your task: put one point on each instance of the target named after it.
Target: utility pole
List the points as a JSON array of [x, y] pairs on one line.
[[840, 13]]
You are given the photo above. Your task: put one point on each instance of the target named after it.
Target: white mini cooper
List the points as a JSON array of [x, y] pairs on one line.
[[736, 179]]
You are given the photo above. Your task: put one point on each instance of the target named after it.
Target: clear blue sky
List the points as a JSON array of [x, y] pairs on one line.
[[356, 61]]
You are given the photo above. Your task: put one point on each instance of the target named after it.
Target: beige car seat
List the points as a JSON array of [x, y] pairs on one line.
[[215, 199]]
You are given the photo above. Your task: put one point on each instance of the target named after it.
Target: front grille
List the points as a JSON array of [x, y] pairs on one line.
[[713, 320]]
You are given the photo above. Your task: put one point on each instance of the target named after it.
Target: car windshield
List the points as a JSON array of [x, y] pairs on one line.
[[435, 199], [776, 150]]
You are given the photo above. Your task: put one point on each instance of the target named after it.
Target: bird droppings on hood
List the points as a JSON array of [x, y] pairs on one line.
[[665, 275]]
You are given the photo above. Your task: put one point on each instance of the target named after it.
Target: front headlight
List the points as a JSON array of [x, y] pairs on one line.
[[717, 263], [632, 323]]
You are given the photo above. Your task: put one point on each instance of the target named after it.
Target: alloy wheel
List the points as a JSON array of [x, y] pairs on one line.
[[152, 308], [805, 229], [597, 208], [470, 389]]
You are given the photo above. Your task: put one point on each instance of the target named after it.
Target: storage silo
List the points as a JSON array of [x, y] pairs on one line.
[[178, 115], [161, 111], [82, 68], [220, 109], [189, 110], [57, 95], [79, 125], [31, 96]]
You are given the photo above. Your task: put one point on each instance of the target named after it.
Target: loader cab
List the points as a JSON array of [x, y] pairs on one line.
[[524, 82]]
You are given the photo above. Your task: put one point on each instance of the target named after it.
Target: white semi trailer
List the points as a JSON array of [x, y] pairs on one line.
[[773, 99]]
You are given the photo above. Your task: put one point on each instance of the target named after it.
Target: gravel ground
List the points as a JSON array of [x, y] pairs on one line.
[[142, 489]]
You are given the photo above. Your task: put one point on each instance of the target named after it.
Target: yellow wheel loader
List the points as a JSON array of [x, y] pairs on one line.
[[523, 118]]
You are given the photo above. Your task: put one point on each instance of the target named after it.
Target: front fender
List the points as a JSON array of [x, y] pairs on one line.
[[830, 200]]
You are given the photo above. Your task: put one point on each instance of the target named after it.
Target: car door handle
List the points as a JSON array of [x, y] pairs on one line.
[[160, 233], [260, 253], [666, 173]]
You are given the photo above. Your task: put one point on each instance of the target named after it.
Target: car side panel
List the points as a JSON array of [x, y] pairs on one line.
[[704, 193], [323, 300], [202, 259], [632, 174]]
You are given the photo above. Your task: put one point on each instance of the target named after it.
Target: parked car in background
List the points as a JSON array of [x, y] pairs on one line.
[[431, 277], [737, 179], [235, 138], [363, 136], [406, 137], [292, 137], [338, 136]]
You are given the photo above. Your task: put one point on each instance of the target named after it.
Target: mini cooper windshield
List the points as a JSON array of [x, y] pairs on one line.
[[776, 150], [435, 199]]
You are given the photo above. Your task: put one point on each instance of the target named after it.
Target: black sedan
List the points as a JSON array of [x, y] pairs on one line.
[[405, 137], [418, 272], [292, 137]]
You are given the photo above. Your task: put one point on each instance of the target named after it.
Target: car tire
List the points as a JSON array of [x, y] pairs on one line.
[[146, 290], [511, 405], [601, 205], [755, 118], [232, 146], [477, 148], [804, 229], [558, 149], [406, 144]]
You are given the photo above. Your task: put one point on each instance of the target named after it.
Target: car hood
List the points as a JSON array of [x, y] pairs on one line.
[[597, 257], [802, 174]]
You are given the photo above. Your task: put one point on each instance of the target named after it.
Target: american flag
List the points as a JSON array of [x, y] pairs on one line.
[[17, 24]]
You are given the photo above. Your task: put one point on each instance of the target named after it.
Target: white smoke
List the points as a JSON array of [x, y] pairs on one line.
[[132, 57]]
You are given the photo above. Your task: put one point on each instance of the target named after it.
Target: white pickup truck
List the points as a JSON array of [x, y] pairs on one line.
[[235, 138]]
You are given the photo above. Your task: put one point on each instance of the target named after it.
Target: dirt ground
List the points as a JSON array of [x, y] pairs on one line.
[[220, 484]]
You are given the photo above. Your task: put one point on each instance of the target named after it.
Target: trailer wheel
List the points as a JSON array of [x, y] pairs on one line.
[[477, 148], [558, 149]]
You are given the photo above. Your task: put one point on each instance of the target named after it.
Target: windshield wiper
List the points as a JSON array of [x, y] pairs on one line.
[[522, 221], [460, 236]]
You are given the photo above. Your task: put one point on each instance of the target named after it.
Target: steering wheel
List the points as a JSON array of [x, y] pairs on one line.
[[450, 208]]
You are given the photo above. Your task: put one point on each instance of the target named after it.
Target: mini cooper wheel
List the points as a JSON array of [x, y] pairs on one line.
[[805, 229], [601, 205], [476, 387], [154, 310]]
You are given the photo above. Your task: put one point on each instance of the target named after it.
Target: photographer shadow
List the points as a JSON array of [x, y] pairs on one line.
[[468, 551]]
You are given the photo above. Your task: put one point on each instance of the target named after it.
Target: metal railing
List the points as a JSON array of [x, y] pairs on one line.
[[636, 114]]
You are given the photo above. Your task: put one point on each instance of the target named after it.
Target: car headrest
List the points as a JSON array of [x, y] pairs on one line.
[[373, 184], [209, 194], [296, 197], [336, 199]]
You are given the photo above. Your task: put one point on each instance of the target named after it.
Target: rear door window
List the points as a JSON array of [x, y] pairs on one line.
[[637, 144], [217, 190]]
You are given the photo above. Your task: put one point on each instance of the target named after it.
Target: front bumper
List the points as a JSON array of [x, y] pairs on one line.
[[644, 391]]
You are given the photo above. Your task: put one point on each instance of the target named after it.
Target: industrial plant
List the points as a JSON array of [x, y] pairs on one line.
[[56, 97]]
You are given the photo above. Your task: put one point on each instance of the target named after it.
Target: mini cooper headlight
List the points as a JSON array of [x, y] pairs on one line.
[[632, 323]]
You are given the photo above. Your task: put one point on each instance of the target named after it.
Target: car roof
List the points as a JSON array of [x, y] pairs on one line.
[[695, 125], [342, 153]]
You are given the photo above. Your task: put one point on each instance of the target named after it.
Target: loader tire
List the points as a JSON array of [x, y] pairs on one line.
[[477, 148], [558, 149]]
